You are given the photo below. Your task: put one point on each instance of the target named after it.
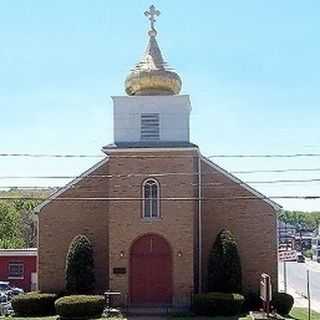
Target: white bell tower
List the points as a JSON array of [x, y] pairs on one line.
[[153, 112]]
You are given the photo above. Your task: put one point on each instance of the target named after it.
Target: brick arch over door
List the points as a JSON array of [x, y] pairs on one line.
[[150, 271]]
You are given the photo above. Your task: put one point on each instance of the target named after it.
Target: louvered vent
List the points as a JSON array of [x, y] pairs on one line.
[[150, 126]]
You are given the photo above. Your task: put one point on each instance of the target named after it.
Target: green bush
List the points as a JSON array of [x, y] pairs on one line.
[[80, 306], [79, 273], [282, 302], [34, 304], [252, 302], [217, 303], [308, 253], [224, 267]]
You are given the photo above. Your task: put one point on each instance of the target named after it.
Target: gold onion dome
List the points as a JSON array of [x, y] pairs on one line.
[[151, 75]]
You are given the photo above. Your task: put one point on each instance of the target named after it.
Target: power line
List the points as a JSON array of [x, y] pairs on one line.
[[55, 177], [27, 188], [282, 181], [254, 171], [313, 197], [153, 175], [275, 170], [295, 155], [42, 155]]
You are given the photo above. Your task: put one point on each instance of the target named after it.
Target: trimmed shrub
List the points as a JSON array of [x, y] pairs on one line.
[[252, 302], [282, 302], [34, 304], [217, 303], [224, 267], [80, 306], [79, 273]]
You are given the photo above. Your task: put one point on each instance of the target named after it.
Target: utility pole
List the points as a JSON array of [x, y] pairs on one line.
[[308, 295], [285, 275]]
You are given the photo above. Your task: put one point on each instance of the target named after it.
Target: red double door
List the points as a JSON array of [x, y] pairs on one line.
[[150, 271]]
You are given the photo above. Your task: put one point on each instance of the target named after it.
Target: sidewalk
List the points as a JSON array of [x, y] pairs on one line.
[[313, 265]]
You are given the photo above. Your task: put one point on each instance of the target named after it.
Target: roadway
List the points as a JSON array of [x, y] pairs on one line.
[[297, 279]]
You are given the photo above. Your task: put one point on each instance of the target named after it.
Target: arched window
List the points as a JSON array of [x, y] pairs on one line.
[[151, 199]]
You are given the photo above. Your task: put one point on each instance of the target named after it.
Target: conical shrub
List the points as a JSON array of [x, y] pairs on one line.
[[224, 267], [79, 272]]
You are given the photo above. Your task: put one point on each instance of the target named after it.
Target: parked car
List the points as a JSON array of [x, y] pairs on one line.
[[8, 290], [3, 297], [300, 257], [6, 309]]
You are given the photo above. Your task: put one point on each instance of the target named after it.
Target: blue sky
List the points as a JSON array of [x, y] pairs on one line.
[[251, 67]]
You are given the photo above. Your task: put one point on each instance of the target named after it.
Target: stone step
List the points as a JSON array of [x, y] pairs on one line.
[[155, 310], [146, 311]]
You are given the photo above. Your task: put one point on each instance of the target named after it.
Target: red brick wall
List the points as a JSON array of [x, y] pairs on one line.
[[61, 221], [30, 266], [253, 222], [175, 223], [113, 226]]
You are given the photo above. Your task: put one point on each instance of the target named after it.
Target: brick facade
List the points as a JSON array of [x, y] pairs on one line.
[[60, 221], [113, 226], [252, 221], [175, 224]]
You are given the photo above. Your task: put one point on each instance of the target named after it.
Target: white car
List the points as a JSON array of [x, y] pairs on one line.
[[8, 290]]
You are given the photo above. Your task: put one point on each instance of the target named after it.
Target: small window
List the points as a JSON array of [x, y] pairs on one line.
[[150, 126], [16, 270], [151, 199]]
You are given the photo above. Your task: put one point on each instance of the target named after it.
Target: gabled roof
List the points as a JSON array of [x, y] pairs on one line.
[[242, 184], [233, 178], [56, 194]]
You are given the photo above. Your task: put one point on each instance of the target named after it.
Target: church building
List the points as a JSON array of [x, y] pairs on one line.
[[154, 205]]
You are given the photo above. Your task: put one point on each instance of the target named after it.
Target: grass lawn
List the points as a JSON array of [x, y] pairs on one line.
[[38, 318], [53, 318], [31, 318], [296, 314], [302, 314], [211, 318], [128, 318]]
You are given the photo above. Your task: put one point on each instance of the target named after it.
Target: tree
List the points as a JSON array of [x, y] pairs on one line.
[[224, 267], [18, 225], [10, 226], [79, 273], [302, 220], [28, 221]]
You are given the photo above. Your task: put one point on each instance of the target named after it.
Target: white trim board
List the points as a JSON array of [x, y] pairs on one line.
[[29, 252], [242, 184], [151, 149], [56, 194]]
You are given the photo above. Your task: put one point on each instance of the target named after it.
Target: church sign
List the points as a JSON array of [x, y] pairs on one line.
[[266, 291], [119, 270]]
